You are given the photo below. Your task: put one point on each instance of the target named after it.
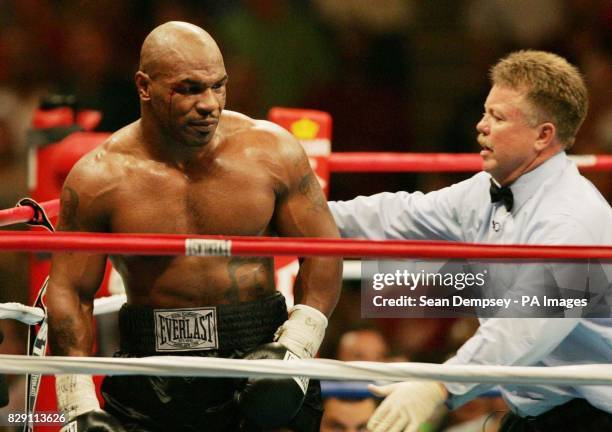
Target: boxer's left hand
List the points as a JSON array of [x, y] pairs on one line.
[[273, 402], [303, 332], [406, 406]]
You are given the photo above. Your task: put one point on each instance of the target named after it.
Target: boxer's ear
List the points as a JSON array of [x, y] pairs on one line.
[[143, 83]]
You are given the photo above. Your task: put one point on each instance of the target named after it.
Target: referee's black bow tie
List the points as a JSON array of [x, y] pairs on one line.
[[503, 194]]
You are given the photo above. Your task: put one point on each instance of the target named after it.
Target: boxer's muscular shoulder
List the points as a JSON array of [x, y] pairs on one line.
[[265, 139], [266, 145], [103, 164], [89, 186], [260, 134]]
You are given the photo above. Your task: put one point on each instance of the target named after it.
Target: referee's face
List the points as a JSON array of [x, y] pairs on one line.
[[505, 135]]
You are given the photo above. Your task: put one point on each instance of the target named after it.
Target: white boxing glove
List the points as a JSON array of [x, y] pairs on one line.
[[77, 400], [406, 406], [76, 394], [303, 332]]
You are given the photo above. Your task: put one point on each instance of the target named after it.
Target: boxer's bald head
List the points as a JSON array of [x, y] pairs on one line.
[[181, 83], [177, 44]]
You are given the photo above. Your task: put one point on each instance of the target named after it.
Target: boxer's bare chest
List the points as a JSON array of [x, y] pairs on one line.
[[227, 197]]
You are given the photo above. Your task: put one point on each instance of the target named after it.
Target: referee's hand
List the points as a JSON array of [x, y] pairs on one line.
[[406, 406]]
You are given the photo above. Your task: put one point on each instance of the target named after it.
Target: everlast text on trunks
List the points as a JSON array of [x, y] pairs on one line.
[[186, 329]]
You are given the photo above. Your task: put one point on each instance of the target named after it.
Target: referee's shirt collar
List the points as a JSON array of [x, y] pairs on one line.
[[526, 185]]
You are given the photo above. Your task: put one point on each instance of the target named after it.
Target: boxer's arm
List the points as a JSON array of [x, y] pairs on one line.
[[302, 211], [75, 277], [73, 282]]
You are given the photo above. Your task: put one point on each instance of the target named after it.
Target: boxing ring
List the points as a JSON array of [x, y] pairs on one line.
[[356, 372], [194, 245], [148, 244]]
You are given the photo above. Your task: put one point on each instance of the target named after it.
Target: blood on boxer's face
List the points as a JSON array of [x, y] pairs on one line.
[[188, 104], [195, 103]]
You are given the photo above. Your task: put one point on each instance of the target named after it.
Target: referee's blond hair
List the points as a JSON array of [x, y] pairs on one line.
[[554, 87]]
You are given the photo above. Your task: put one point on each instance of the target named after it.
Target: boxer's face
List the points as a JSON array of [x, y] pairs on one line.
[[188, 96], [506, 136]]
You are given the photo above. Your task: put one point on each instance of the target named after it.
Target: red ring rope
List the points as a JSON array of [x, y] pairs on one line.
[[150, 244], [26, 213], [364, 162], [436, 162]]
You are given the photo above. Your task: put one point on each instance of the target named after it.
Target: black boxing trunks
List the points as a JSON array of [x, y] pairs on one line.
[[151, 403]]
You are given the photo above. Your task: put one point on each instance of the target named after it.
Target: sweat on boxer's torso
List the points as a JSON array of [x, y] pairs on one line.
[[234, 191]]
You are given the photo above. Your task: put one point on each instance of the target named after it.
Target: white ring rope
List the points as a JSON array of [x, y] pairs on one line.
[[594, 374], [103, 305], [25, 314]]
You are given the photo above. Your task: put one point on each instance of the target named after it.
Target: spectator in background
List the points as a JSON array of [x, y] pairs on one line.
[[590, 42], [347, 415], [363, 343], [277, 53], [28, 45], [97, 77], [479, 415], [369, 96], [526, 23]]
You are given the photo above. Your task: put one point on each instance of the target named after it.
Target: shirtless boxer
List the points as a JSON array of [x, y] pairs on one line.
[[187, 166]]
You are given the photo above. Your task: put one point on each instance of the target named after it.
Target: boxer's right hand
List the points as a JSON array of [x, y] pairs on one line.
[[270, 403], [77, 400], [93, 421]]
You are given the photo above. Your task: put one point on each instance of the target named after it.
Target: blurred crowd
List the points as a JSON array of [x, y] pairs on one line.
[[396, 75], [427, 340]]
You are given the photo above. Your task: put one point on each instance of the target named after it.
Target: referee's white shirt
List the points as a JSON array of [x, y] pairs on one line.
[[553, 205]]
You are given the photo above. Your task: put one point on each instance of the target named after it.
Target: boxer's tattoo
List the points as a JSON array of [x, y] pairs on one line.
[[251, 274], [309, 187], [70, 204], [63, 337]]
